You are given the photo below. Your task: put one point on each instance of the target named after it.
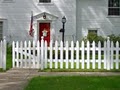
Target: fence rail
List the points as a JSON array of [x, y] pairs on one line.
[[70, 56]]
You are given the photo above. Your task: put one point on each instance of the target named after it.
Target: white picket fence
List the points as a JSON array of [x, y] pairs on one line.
[[70, 56], [3, 54]]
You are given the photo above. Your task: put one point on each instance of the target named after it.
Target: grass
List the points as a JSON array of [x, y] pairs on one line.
[[9, 61], [79, 70], [9, 57], [48, 69], [74, 83]]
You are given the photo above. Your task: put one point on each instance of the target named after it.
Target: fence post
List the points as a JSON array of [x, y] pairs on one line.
[[108, 53], [4, 53], [42, 53], [13, 54]]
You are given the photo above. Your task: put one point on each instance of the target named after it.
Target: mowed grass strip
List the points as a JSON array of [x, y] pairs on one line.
[[74, 83]]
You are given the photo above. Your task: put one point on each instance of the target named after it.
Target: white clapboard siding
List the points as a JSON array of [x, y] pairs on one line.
[[59, 55]]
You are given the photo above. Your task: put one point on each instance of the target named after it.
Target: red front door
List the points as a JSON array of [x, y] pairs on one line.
[[44, 30]]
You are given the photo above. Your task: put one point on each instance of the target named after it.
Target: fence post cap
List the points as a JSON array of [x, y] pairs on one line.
[[42, 37], [4, 37], [108, 38]]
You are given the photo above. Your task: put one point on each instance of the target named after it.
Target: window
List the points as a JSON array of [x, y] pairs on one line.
[[114, 7], [1, 30], [44, 1], [92, 32]]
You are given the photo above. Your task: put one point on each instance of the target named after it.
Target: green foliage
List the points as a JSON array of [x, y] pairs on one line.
[[93, 37], [9, 56], [114, 38], [9, 49]]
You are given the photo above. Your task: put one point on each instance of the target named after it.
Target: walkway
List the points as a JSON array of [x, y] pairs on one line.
[[16, 79]]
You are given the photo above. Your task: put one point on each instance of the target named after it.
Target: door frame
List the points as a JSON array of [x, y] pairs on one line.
[[38, 28]]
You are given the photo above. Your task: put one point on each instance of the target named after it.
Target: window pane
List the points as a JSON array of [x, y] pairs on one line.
[[113, 3], [114, 11]]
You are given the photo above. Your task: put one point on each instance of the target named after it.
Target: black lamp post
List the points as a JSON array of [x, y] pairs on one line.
[[63, 29]]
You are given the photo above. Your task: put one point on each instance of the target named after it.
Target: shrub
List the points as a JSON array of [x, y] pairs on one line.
[[93, 37], [114, 38]]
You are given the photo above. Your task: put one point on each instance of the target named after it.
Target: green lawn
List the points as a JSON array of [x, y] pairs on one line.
[[74, 83]]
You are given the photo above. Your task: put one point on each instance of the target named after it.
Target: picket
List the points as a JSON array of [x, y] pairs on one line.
[[29, 54], [51, 54], [112, 54], [83, 55], [108, 54], [56, 55], [105, 56], [61, 55], [70, 56], [42, 54], [99, 55], [77, 55], [45, 54], [93, 55], [117, 55], [88, 55], [67, 55]]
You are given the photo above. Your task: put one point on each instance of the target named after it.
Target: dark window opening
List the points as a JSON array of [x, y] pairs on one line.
[[1, 30], [44, 1], [92, 32]]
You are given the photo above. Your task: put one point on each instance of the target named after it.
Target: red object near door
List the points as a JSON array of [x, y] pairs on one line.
[[44, 30]]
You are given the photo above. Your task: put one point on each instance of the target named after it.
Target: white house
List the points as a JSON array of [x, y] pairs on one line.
[[83, 16]]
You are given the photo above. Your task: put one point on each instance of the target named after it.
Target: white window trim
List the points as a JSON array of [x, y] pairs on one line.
[[5, 27], [113, 16], [8, 1]]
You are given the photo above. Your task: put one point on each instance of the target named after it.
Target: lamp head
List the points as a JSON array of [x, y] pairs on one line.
[[64, 19], [44, 16]]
